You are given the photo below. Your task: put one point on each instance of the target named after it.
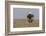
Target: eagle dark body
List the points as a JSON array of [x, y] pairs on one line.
[[30, 16]]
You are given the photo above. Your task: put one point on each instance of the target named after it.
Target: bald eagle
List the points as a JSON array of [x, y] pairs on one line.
[[30, 16]]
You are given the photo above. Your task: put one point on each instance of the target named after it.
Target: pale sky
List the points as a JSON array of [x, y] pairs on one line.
[[21, 13]]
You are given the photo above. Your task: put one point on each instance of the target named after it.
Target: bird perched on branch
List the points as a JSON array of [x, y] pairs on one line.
[[29, 17]]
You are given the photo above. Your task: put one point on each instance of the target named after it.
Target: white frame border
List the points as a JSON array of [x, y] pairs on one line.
[[29, 28]]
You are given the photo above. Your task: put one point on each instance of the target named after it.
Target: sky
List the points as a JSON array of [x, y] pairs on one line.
[[21, 13]]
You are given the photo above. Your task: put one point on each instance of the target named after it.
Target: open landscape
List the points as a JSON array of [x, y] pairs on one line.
[[24, 23], [21, 15]]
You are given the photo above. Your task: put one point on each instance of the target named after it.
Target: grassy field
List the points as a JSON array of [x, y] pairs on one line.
[[24, 23]]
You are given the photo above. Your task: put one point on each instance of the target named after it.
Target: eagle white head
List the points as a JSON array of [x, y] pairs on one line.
[[29, 13]]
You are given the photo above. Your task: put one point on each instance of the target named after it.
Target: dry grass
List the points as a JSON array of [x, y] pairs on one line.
[[24, 23]]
